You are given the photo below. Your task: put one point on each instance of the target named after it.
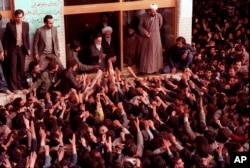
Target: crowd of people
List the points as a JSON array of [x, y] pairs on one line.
[[103, 120]]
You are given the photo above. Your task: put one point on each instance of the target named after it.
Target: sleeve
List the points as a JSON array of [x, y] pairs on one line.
[[140, 146], [124, 120], [35, 41], [1, 47], [188, 128], [72, 80], [142, 30], [57, 41], [171, 54], [108, 159], [94, 55], [83, 67], [47, 162], [33, 145], [220, 162], [160, 21], [39, 81], [6, 36], [74, 159], [27, 37]]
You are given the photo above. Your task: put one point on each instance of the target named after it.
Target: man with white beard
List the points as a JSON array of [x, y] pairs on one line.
[[109, 44], [97, 54]]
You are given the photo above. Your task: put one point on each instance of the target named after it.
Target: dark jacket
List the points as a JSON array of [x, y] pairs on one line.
[[68, 81], [11, 35]]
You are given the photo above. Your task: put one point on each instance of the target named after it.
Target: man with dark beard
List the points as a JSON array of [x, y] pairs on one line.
[[132, 47]]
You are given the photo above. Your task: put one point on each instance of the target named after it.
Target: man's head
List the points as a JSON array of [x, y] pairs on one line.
[[19, 16], [72, 65], [130, 30], [75, 45], [104, 17], [98, 39], [48, 21], [34, 67], [53, 67], [107, 31], [152, 9], [180, 42]]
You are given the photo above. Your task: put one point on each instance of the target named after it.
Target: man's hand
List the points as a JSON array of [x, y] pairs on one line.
[[184, 55], [148, 34], [25, 91], [96, 67], [102, 56], [37, 57], [1, 56]]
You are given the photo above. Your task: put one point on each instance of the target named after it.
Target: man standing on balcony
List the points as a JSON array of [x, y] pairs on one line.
[[46, 44], [16, 46], [151, 51]]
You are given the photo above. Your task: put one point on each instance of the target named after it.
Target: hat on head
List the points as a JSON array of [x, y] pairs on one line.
[[153, 6], [107, 28]]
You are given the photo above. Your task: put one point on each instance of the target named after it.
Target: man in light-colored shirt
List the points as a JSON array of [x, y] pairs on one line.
[[46, 45], [16, 47]]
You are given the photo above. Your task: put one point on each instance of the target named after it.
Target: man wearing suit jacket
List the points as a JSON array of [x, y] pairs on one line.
[[46, 45], [16, 46]]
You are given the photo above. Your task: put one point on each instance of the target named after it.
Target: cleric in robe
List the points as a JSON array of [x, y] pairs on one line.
[[151, 52]]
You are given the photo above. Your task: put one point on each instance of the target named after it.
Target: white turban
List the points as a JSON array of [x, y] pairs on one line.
[[107, 28], [153, 6]]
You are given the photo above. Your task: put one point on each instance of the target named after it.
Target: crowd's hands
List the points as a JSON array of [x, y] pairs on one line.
[[31, 160], [108, 144], [1, 56], [166, 144], [6, 163], [220, 148]]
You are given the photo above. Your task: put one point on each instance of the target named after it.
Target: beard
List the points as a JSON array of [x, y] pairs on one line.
[[98, 46]]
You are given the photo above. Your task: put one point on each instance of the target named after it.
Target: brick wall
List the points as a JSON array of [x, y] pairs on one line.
[[184, 19]]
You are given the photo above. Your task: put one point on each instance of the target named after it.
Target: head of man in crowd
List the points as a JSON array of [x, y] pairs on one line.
[[19, 16], [153, 9], [53, 67], [34, 67], [48, 21], [180, 42], [104, 17], [98, 41], [130, 31], [107, 32], [72, 65], [75, 45]]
